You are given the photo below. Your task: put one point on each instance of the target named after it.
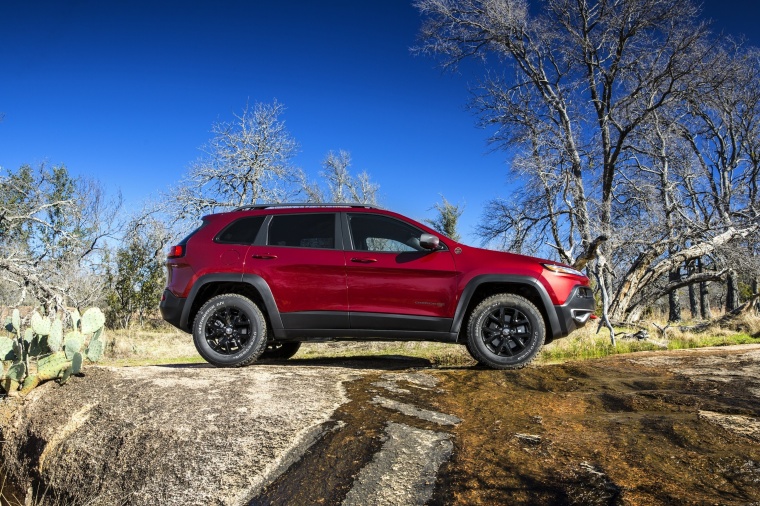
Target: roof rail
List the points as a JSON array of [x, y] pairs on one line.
[[306, 204]]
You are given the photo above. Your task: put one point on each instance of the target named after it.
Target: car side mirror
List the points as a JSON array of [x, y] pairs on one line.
[[429, 241]]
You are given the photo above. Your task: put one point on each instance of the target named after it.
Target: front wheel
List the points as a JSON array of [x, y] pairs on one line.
[[230, 331], [506, 331]]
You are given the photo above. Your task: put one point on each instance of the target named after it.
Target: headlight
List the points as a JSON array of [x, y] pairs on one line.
[[564, 269]]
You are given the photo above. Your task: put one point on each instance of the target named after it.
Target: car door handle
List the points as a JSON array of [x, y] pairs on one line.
[[364, 260], [265, 257]]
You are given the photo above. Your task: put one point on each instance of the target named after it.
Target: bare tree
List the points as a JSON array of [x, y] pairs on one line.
[[592, 96], [53, 227], [338, 185], [247, 161]]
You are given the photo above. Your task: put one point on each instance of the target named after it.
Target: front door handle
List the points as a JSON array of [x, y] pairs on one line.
[[265, 257], [364, 260]]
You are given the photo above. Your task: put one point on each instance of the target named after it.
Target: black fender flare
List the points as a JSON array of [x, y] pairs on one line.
[[464, 301], [257, 282]]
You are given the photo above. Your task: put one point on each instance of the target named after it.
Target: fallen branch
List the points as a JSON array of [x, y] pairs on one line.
[[726, 319]]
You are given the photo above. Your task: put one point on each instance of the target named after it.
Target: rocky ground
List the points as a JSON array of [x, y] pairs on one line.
[[649, 428]]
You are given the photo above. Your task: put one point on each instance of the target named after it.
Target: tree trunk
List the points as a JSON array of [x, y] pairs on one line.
[[693, 295], [732, 291], [704, 295], [674, 303]]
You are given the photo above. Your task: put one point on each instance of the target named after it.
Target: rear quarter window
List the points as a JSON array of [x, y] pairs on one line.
[[240, 231]]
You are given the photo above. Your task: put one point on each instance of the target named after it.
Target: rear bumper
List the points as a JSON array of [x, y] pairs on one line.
[[576, 311], [171, 308]]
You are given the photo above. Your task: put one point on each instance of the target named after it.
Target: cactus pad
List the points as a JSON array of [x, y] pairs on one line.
[[72, 344], [39, 346], [6, 349], [28, 335], [9, 385], [16, 320], [76, 363], [40, 325], [18, 353], [75, 319], [17, 371], [52, 366], [66, 375], [55, 339], [95, 350], [92, 320]]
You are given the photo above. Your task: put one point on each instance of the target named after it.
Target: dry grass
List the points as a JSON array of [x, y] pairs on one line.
[[586, 343], [146, 347]]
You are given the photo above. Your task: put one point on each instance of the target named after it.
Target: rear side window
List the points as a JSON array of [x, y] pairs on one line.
[[241, 231], [303, 230]]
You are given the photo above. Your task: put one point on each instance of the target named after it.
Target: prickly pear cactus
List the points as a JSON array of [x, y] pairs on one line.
[[92, 320], [75, 318], [41, 352], [16, 321], [40, 325], [72, 344], [6, 348], [55, 338]]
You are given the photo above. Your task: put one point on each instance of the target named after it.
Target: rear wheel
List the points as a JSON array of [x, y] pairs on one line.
[[506, 331], [230, 331], [280, 350]]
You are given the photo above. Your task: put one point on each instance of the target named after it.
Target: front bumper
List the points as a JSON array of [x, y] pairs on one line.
[[576, 311], [171, 308]]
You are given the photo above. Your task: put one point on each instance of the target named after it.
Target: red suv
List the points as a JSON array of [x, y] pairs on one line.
[[257, 281]]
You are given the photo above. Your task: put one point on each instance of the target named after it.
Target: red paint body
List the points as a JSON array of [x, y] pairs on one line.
[[349, 279]]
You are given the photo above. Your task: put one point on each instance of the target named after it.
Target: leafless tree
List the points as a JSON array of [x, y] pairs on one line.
[[592, 96], [338, 185], [53, 227], [248, 160]]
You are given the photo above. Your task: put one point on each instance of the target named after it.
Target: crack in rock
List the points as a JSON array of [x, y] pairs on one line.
[[404, 471]]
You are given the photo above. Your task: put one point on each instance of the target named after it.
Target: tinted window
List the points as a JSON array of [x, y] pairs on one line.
[[303, 230], [242, 231], [371, 232]]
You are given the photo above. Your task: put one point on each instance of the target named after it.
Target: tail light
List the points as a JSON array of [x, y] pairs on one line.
[[176, 251]]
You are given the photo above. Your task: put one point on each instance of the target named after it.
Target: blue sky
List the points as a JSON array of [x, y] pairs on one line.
[[126, 92]]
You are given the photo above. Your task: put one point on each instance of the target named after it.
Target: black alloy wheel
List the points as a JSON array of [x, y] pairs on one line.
[[506, 331], [227, 330], [230, 331]]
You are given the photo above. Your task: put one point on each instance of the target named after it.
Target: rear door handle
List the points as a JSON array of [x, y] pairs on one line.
[[265, 257], [364, 260]]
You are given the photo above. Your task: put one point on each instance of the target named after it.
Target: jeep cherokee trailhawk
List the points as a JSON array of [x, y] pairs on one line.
[[257, 281]]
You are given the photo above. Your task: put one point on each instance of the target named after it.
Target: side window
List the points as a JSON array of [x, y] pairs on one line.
[[242, 231], [371, 232], [302, 230]]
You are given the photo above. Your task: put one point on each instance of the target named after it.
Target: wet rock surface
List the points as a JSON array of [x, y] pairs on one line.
[[649, 428]]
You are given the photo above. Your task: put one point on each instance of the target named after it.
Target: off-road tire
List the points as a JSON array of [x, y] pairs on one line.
[[506, 331], [230, 331], [280, 350]]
